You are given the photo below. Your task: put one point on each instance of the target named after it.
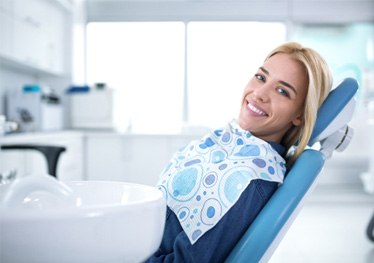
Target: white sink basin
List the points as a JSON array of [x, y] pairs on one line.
[[44, 220]]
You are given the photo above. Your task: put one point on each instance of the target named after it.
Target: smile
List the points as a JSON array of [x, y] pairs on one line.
[[256, 110]]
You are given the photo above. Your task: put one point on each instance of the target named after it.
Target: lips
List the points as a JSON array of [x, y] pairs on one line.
[[255, 109]]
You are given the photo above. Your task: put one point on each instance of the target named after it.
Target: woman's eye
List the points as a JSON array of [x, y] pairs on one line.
[[260, 77], [283, 92]]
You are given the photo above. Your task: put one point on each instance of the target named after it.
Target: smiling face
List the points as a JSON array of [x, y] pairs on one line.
[[274, 97]]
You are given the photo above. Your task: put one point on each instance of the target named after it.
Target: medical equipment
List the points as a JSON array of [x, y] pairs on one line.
[[264, 235], [85, 113], [35, 108]]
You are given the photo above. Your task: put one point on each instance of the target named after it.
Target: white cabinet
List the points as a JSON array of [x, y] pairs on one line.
[[58, 37], [71, 163], [34, 34], [6, 20], [131, 158], [96, 155], [28, 34]]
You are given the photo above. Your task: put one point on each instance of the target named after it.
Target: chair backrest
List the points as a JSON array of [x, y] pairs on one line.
[[269, 227]]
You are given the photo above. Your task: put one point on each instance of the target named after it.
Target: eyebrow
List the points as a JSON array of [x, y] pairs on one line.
[[280, 81]]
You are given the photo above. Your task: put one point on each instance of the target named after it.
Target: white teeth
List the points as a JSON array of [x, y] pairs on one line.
[[256, 110]]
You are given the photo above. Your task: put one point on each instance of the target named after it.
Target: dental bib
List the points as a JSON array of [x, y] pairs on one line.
[[206, 178]]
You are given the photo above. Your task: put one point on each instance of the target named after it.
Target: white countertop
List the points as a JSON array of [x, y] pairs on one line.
[[93, 132]]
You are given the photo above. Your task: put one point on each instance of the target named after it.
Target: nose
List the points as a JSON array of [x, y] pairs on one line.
[[262, 93]]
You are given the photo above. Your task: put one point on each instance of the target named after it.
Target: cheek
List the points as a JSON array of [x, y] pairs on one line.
[[244, 94], [247, 89], [288, 111]]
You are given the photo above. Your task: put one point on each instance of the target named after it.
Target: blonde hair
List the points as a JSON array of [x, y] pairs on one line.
[[319, 85]]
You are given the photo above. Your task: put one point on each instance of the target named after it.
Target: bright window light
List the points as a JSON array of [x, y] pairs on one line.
[[144, 63]]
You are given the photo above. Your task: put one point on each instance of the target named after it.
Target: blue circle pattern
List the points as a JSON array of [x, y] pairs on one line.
[[210, 179], [184, 182], [234, 184], [208, 176]]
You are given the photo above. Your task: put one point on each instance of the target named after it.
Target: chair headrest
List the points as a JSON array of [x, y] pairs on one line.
[[336, 111]]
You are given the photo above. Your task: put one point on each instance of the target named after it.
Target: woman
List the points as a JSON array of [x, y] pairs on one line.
[[215, 187]]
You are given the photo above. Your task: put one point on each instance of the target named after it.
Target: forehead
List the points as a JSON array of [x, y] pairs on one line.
[[283, 67]]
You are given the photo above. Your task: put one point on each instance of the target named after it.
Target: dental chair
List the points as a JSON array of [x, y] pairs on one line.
[[330, 133]]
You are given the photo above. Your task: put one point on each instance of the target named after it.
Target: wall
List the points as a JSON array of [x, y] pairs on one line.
[[11, 80]]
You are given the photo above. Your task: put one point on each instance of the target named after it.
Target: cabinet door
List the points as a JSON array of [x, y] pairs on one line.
[[6, 5], [106, 158], [14, 160], [71, 162], [6, 27], [55, 31], [136, 159], [28, 32], [39, 30]]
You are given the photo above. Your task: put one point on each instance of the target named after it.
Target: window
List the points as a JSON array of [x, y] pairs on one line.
[[144, 63], [348, 49], [166, 74]]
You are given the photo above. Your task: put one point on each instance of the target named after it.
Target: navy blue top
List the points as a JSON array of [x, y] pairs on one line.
[[216, 244]]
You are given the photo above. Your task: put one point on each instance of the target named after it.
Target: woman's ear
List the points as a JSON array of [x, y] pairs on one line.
[[298, 120]]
